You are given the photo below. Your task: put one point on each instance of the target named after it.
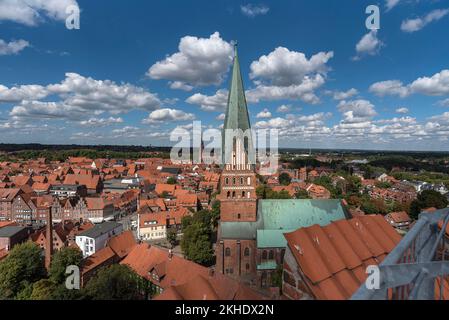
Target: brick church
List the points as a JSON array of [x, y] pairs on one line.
[[236, 255], [250, 242]]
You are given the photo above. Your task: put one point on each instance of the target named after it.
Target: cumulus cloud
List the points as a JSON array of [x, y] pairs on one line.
[[413, 25], [389, 87], [265, 113], [79, 97], [390, 4], [220, 117], [283, 67], [342, 95], [32, 12], [285, 74], [167, 114], [23, 92], [216, 102], [443, 103], [199, 62], [283, 108], [100, 122], [402, 110], [252, 10], [436, 85], [369, 44], [13, 47], [356, 111]]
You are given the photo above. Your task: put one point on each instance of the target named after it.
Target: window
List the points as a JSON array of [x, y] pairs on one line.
[[227, 252], [264, 255], [243, 194], [229, 194], [249, 180], [241, 180], [238, 215], [233, 194], [227, 181], [233, 180], [271, 255], [247, 266], [246, 252]]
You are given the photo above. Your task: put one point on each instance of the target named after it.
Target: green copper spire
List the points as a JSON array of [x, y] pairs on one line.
[[237, 111]]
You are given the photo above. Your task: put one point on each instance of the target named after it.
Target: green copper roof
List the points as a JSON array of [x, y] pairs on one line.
[[267, 265], [276, 217], [282, 216], [237, 111]]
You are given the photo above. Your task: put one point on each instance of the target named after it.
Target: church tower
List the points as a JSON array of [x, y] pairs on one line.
[[238, 180]]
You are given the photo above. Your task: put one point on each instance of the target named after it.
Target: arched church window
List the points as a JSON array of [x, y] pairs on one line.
[[227, 252]]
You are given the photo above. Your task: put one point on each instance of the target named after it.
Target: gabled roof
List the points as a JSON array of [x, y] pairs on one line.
[[334, 258], [122, 244]]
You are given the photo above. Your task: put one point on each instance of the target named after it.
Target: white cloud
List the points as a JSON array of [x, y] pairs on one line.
[[443, 103], [342, 95], [24, 92], [13, 47], [436, 85], [31, 12], [217, 102], [356, 111], [265, 113], [283, 108], [369, 44], [199, 62], [402, 110], [283, 67], [166, 114], [252, 10], [220, 117], [100, 122], [389, 87], [180, 85], [390, 4], [303, 91], [413, 25], [80, 96], [285, 74]]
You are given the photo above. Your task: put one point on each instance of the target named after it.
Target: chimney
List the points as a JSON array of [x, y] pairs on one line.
[[48, 240]]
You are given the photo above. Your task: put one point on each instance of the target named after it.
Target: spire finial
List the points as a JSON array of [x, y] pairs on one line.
[[235, 48]]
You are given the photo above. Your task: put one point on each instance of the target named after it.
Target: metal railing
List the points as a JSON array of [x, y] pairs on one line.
[[418, 267]]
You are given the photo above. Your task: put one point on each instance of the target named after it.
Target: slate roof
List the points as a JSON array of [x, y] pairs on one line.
[[9, 231], [99, 229]]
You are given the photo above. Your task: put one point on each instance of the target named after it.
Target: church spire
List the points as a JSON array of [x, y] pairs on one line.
[[237, 112]]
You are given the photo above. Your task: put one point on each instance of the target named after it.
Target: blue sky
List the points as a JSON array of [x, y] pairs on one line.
[[136, 70]]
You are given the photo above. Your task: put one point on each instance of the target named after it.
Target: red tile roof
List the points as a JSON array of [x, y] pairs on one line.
[[334, 258], [122, 244]]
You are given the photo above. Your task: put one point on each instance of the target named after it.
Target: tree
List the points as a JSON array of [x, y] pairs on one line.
[[23, 266], [116, 282], [302, 194], [171, 180], [61, 260], [172, 236], [374, 206], [427, 199], [284, 179], [196, 243], [42, 290]]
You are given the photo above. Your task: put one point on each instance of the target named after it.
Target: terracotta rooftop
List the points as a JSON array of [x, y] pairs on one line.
[[122, 244], [334, 258]]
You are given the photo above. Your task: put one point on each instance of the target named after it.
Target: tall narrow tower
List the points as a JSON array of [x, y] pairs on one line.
[[238, 180], [48, 240]]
